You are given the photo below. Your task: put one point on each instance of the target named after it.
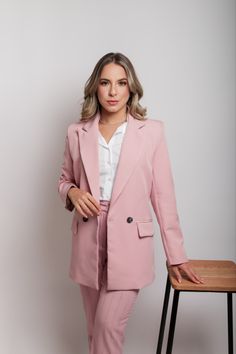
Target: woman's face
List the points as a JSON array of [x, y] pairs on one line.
[[113, 89]]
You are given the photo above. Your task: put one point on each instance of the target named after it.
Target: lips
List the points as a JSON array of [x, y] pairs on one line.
[[112, 102]]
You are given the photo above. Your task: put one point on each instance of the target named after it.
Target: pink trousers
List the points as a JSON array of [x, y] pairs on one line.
[[107, 311]]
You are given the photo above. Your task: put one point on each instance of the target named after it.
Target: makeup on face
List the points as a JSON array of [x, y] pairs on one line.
[[113, 89]]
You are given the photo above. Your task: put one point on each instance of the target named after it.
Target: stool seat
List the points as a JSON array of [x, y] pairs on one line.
[[218, 276]]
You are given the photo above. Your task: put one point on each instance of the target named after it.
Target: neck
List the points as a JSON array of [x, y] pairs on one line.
[[113, 118]]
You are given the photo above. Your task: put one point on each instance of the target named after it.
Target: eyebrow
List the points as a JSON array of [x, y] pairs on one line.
[[117, 80]]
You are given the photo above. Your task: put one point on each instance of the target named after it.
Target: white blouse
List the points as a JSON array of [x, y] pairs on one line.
[[108, 160]]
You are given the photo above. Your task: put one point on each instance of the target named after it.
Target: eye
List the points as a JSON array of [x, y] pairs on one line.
[[103, 83], [123, 83]]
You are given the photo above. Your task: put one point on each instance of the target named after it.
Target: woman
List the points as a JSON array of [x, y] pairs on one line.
[[115, 163]]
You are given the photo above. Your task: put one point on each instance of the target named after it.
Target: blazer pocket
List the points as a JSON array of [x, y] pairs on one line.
[[145, 228]]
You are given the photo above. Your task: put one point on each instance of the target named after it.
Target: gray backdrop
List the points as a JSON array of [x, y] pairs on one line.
[[184, 54]]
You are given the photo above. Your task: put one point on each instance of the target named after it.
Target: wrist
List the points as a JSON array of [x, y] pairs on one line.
[[70, 191]]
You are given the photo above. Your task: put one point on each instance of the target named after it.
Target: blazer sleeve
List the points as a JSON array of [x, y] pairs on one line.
[[164, 204], [66, 179]]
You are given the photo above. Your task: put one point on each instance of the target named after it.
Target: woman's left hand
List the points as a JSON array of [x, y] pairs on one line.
[[188, 271]]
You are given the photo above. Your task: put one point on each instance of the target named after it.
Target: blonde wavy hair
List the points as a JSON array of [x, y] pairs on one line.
[[91, 105]]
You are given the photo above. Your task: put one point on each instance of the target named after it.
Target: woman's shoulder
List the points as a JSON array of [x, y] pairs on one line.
[[154, 123], [155, 126], [154, 131], [74, 127]]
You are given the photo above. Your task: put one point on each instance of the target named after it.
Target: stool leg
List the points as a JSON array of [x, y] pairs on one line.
[[230, 323], [163, 316], [172, 322]]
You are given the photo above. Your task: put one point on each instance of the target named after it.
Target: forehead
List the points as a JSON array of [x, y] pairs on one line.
[[113, 70]]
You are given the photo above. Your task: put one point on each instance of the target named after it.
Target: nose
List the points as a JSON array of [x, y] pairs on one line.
[[113, 91]]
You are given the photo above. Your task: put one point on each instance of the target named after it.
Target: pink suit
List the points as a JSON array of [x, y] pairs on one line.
[[143, 175], [143, 178]]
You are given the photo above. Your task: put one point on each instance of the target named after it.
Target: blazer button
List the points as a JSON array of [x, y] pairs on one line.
[[129, 219], [85, 219]]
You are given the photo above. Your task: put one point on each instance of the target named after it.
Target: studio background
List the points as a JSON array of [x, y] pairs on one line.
[[184, 54]]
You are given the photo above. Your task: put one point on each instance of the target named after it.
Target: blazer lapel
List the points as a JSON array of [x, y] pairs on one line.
[[131, 148], [88, 140]]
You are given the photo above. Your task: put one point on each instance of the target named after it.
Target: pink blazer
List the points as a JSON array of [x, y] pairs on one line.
[[143, 179]]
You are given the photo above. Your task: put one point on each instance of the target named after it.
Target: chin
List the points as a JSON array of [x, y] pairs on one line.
[[113, 109], [110, 110]]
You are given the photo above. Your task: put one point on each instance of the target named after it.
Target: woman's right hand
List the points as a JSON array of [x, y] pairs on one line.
[[84, 202]]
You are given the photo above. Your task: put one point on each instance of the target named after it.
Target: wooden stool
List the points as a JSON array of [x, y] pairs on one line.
[[219, 276]]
